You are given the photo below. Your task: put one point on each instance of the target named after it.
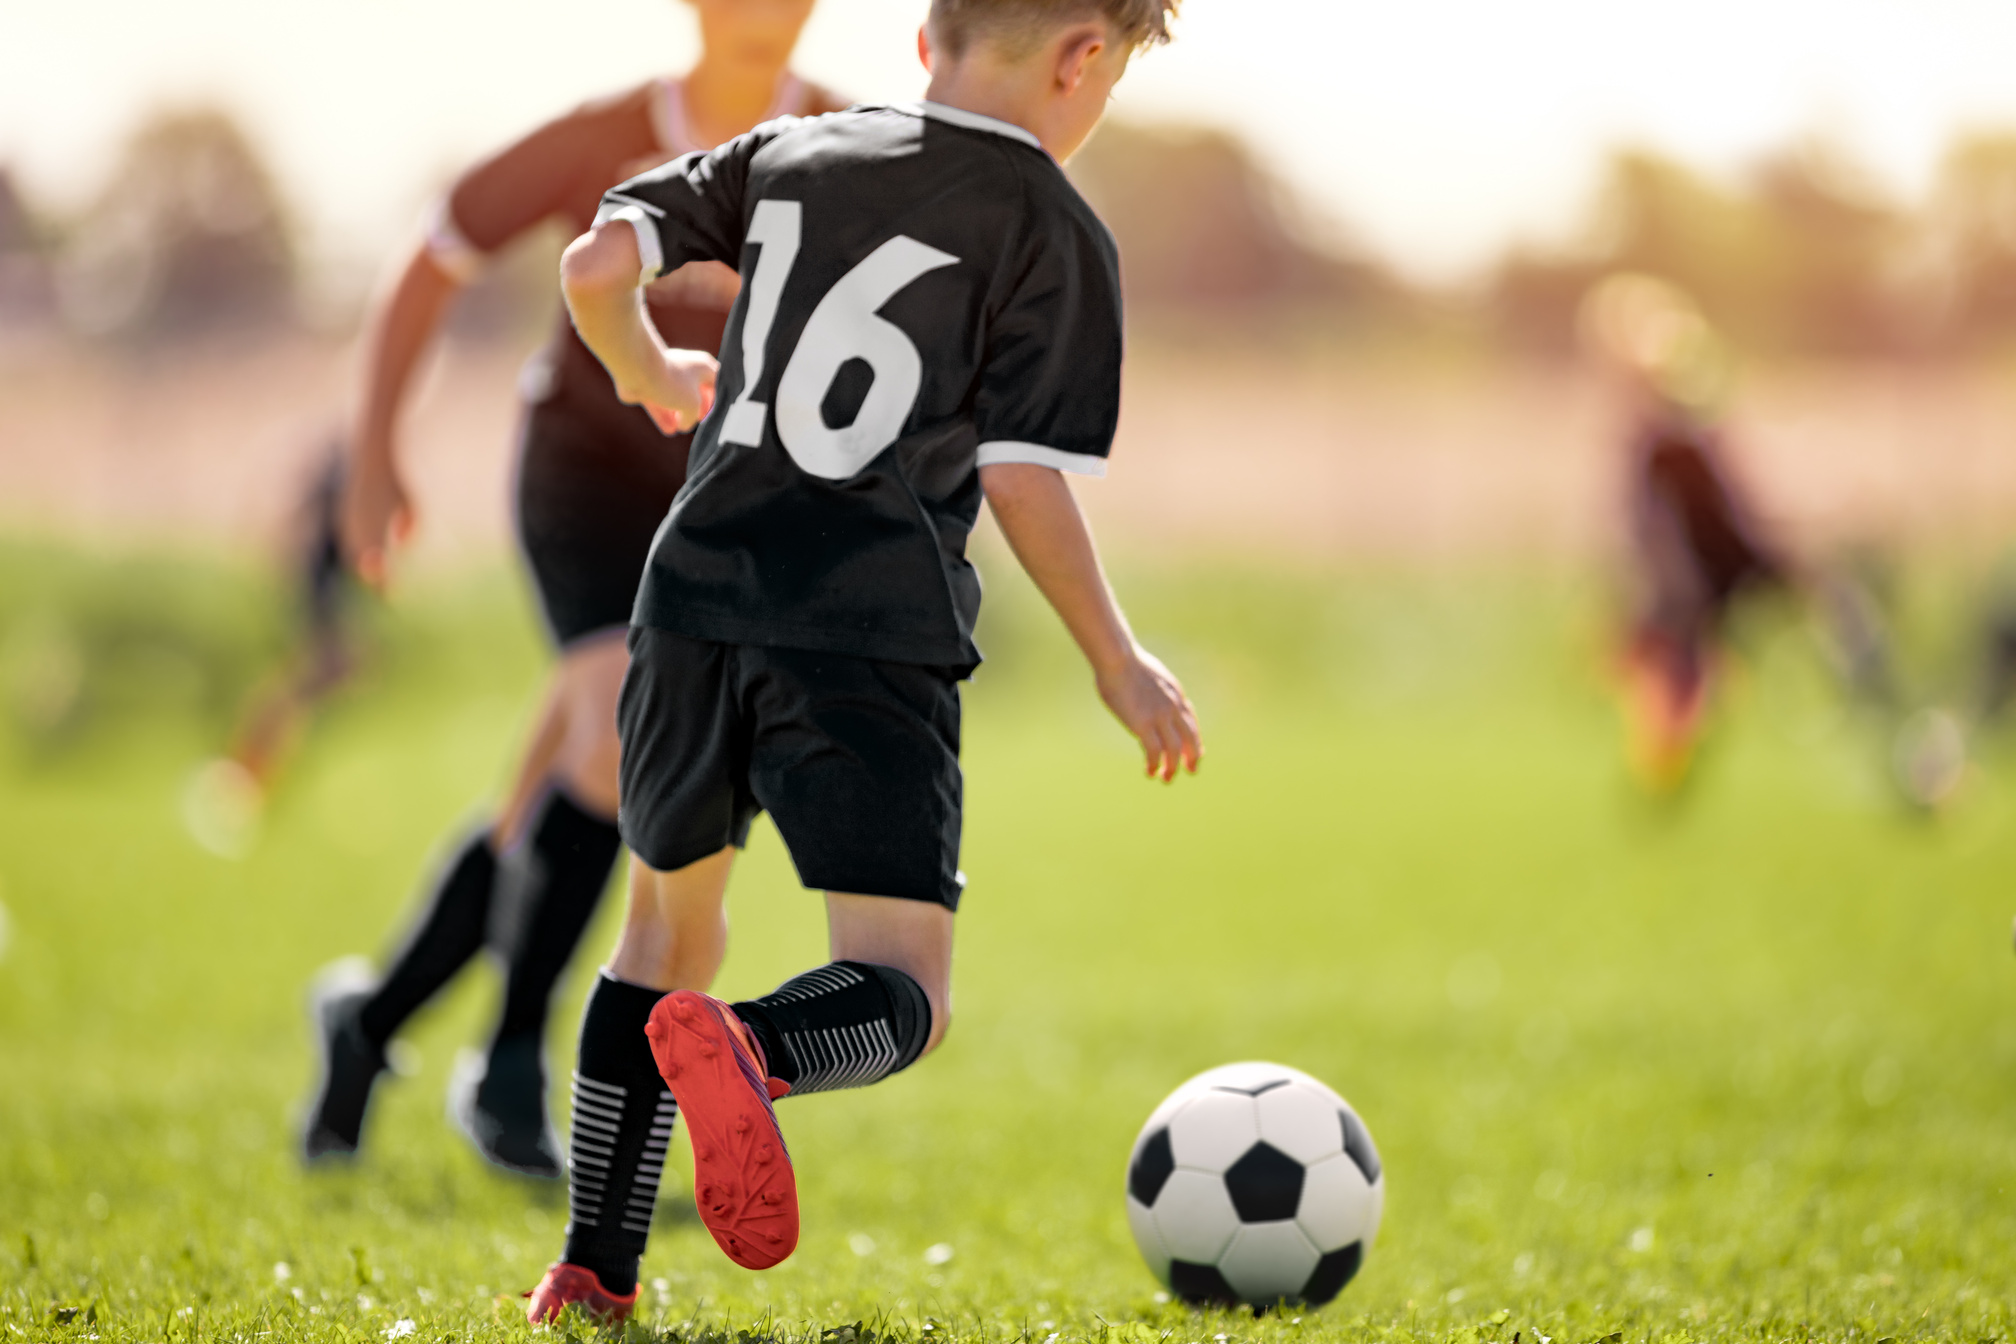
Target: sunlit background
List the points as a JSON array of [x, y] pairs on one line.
[[1437, 132], [1368, 498]]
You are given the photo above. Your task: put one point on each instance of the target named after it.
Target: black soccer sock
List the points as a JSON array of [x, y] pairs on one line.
[[623, 1118], [450, 931], [846, 1024], [567, 863]]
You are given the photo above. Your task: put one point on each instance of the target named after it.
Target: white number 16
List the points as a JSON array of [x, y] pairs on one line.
[[844, 326]]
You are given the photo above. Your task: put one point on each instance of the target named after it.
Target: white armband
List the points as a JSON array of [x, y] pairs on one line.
[[449, 248]]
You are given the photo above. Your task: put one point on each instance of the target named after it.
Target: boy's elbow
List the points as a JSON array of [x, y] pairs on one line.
[[1007, 483], [601, 262]]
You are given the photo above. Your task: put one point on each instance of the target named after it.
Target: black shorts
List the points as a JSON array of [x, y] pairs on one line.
[[595, 478], [856, 761]]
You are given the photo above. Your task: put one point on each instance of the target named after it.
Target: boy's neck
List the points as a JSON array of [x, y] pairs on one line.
[[1003, 92]]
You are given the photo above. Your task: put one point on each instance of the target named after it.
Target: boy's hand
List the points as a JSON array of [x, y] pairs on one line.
[[599, 277], [676, 390], [1146, 697], [1039, 516]]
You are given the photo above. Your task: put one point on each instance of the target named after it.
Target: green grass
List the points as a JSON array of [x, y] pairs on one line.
[[1737, 1069]]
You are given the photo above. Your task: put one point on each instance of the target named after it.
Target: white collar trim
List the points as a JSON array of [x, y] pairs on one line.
[[972, 121]]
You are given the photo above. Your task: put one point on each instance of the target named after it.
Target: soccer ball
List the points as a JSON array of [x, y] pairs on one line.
[[1254, 1183]]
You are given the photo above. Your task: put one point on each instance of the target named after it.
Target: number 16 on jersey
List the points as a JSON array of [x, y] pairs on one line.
[[845, 325]]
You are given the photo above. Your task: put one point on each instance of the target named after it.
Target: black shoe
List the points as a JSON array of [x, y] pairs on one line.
[[499, 1104], [350, 1064]]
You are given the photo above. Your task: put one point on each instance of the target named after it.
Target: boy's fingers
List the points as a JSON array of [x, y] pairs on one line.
[[1193, 740], [1157, 752]]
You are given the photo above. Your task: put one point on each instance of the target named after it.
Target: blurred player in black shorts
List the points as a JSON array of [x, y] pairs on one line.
[[595, 478]]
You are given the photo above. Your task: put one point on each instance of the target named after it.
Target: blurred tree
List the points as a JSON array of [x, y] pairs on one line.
[[1828, 252], [1799, 257], [27, 298], [1201, 225], [189, 236], [1971, 228]]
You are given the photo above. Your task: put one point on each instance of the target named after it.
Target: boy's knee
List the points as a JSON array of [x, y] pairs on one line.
[[941, 1022]]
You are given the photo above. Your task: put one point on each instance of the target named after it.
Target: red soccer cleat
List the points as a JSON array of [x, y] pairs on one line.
[[742, 1178], [567, 1286]]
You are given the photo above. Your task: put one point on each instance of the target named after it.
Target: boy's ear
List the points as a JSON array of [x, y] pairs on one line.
[[1076, 50], [924, 46]]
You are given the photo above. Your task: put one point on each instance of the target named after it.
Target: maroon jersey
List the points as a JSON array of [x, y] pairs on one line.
[[559, 172], [1697, 543]]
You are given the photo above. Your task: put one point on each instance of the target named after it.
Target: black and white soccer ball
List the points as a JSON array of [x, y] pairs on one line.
[[1256, 1184]]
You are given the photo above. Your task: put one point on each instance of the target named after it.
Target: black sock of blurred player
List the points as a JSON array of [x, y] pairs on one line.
[[451, 930], [357, 1020], [623, 1118], [566, 869], [845, 1024]]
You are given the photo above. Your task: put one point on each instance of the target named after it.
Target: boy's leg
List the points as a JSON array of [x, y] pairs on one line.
[[914, 937], [881, 1004], [674, 936], [873, 1010]]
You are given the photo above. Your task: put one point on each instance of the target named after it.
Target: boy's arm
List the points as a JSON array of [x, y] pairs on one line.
[[601, 275], [1039, 516]]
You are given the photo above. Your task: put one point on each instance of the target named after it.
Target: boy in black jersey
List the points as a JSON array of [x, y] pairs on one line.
[[930, 314]]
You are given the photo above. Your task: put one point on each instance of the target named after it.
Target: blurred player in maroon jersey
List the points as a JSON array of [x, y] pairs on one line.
[[1696, 546], [595, 477]]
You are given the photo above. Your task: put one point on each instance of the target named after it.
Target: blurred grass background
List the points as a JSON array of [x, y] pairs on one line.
[[1736, 1068]]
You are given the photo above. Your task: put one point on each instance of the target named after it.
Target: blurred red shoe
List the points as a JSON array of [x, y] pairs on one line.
[[567, 1286], [742, 1178]]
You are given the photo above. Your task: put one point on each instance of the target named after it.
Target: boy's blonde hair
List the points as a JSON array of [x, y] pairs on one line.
[[1019, 26]]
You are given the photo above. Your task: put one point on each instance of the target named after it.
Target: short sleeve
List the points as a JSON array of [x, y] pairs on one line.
[[690, 209], [1049, 390], [535, 179]]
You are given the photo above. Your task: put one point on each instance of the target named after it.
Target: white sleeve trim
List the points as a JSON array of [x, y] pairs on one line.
[[1035, 454], [449, 248], [650, 252]]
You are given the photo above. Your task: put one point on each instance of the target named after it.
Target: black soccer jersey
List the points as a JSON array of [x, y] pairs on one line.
[[924, 293]]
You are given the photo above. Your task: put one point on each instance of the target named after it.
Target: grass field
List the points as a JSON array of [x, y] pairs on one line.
[[1744, 1068]]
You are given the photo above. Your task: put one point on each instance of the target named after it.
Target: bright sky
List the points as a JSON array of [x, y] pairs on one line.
[[1434, 130]]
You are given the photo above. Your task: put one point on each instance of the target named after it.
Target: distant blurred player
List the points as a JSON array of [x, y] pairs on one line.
[[595, 479], [1697, 547], [326, 655], [224, 799]]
